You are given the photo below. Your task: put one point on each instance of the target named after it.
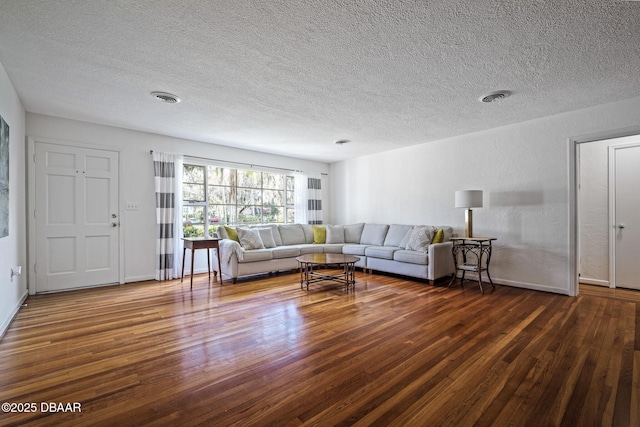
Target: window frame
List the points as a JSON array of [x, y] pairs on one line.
[[207, 225]]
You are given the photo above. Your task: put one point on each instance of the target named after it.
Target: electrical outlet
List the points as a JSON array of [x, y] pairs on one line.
[[132, 206]]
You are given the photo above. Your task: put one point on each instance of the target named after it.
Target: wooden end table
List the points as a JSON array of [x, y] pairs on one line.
[[207, 243]]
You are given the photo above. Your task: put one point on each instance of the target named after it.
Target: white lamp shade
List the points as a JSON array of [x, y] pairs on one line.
[[469, 199]]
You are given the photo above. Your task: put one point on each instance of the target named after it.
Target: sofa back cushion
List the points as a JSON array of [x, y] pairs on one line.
[[308, 232], [335, 234], [398, 235], [353, 233], [374, 234], [292, 234]]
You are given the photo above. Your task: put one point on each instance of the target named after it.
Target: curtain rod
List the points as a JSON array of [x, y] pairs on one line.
[[251, 165]]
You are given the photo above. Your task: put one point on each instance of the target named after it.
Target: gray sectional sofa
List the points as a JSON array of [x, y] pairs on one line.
[[380, 247]]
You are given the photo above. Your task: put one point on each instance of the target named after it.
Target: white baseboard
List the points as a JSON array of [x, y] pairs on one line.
[[5, 325], [524, 285]]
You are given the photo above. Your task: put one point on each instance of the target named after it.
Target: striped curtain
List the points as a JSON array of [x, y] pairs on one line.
[[314, 198], [167, 235]]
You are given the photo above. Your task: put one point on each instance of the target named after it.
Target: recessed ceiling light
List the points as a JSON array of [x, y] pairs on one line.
[[166, 97], [494, 96], [342, 142]]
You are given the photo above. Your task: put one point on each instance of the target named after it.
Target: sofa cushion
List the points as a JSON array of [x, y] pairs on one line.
[[291, 234], [285, 252], [349, 249], [266, 234], [421, 237], [256, 255], [385, 252], [374, 234], [353, 232], [319, 234], [396, 234], [310, 249], [438, 237], [336, 248], [307, 229], [335, 234], [231, 233], [250, 238], [412, 257]]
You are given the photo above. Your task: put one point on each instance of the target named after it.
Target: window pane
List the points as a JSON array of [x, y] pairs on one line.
[[291, 216], [193, 221], [248, 178], [249, 214], [291, 199], [249, 197], [291, 183], [222, 214], [272, 198], [221, 176], [221, 195], [273, 181], [273, 214], [193, 192], [193, 174]]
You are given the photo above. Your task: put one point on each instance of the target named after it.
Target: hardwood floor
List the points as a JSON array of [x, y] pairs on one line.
[[263, 352]]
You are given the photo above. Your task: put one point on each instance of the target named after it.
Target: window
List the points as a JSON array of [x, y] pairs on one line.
[[214, 195]]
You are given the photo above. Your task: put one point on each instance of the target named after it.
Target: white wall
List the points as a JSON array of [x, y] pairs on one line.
[[13, 251], [138, 187], [523, 170]]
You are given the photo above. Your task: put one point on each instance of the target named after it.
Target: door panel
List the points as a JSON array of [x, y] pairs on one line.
[[77, 236], [626, 224]]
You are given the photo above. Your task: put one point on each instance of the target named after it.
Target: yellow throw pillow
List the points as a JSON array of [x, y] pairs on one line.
[[439, 236], [319, 234], [232, 233]]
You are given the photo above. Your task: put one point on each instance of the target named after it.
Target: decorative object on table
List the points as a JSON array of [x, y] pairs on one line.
[[468, 199], [4, 178]]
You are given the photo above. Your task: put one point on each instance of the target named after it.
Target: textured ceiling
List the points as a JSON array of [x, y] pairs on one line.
[[291, 77]]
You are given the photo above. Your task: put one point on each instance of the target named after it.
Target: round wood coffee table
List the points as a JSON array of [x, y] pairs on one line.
[[309, 262]]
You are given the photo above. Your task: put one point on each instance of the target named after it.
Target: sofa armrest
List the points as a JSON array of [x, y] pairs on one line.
[[229, 248], [440, 260]]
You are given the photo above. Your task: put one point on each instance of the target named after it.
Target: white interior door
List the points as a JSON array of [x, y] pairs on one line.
[[625, 173], [76, 217]]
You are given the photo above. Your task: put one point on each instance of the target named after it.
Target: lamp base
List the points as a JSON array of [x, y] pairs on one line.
[[468, 223]]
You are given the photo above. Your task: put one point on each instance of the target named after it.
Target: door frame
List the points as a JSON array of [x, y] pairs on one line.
[[31, 204], [612, 207], [574, 214]]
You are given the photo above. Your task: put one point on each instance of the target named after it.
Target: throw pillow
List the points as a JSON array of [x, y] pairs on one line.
[[319, 234], [335, 234], [266, 235], [250, 239], [421, 238], [439, 236], [232, 233]]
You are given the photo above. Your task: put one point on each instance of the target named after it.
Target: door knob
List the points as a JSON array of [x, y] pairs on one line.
[[113, 224], [621, 226]]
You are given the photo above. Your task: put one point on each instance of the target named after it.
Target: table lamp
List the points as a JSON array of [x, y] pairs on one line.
[[468, 199]]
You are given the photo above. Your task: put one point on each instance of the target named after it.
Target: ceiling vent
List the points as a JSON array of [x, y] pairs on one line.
[[494, 96], [166, 97]]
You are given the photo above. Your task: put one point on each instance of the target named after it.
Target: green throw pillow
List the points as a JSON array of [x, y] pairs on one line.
[[319, 234], [439, 236], [232, 233]]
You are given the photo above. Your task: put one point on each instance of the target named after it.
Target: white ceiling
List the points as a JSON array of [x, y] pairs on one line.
[[291, 77]]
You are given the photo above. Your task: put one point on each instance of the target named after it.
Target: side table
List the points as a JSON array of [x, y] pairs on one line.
[[479, 247], [194, 243]]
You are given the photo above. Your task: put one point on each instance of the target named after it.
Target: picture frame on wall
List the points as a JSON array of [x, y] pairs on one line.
[[4, 178]]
